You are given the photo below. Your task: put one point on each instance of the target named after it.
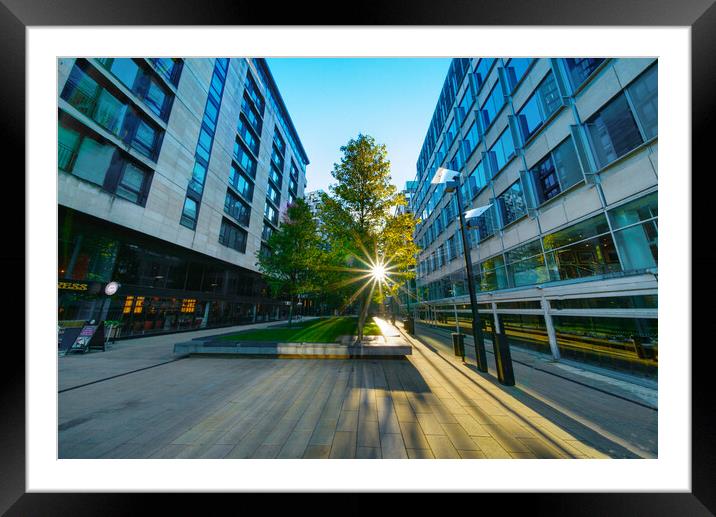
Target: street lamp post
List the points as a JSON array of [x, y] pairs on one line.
[[452, 183]]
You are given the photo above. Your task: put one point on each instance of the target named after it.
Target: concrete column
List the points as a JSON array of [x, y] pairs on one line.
[[551, 334], [495, 317], [253, 313]]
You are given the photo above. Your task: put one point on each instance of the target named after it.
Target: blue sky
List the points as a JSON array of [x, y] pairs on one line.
[[331, 100]]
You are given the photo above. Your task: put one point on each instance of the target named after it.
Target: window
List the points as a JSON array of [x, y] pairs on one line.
[[512, 203], [635, 227], [99, 162], [198, 177], [241, 183], [579, 69], [480, 177], [110, 110], [493, 105], [526, 265], [68, 141], [248, 135], [539, 107], [267, 232], [132, 184], [515, 70], [138, 78], [558, 171], [94, 158], [483, 68], [253, 91], [244, 159], [169, 68], [275, 175], [580, 231], [236, 208], [276, 158], [126, 70], [145, 140], [271, 213], [273, 194], [157, 99], [189, 213], [292, 186], [471, 140], [279, 141], [204, 144], [252, 116], [582, 250], [643, 93], [232, 236], [613, 131], [491, 275], [466, 103], [486, 225], [502, 151]]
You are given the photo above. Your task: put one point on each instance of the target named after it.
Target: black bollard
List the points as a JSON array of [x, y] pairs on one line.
[[503, 359], [458, 344]]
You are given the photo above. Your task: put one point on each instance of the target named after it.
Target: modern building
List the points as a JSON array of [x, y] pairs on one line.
[[313, 199], [172, 173], [564, 152]]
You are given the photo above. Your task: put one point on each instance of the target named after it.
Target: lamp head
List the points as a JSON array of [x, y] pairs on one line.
[[443, 175]]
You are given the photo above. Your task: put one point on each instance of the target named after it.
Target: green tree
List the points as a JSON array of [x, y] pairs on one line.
[[292, 265], [361, 225]]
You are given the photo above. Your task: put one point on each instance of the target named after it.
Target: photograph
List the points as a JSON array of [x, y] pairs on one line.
[[357, 257]]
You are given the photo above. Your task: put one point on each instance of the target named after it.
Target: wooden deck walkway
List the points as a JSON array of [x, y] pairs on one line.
[[203, 407]]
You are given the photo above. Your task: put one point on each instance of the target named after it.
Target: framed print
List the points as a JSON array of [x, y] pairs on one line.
[[193, 358]]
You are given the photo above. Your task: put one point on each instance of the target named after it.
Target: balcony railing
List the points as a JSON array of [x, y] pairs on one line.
[[65, 157]]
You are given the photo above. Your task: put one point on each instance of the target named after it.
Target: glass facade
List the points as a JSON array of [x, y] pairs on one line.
[[164, 287], [92, 158], [202, 155], [557, 171], [113, 114]]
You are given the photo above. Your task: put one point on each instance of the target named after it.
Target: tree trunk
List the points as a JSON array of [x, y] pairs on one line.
[[290, 313], [363, 313]]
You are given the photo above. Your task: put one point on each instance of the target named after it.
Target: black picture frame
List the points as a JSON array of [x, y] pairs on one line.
[[700, 15]]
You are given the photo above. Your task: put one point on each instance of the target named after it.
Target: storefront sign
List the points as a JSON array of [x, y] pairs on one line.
[[73, 286]]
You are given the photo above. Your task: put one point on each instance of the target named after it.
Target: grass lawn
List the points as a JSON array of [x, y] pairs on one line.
[[323, 330]]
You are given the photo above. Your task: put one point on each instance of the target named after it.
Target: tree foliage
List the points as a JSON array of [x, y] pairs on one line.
[[360, 222], [293, 265]]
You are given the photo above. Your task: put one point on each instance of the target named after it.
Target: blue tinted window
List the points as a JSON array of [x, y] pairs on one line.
[[613, 131], [126, 70], [580, 69], [493, 104], [502, 150], [529, 117], [512, 203], [515, 70], [189, 213], [156, 98], [241, 183], [211, 114], [244, 159], [643, 93], [483, 68], [237, 208], [145, 139], [471, 139], [539, 107], [480, 177]]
